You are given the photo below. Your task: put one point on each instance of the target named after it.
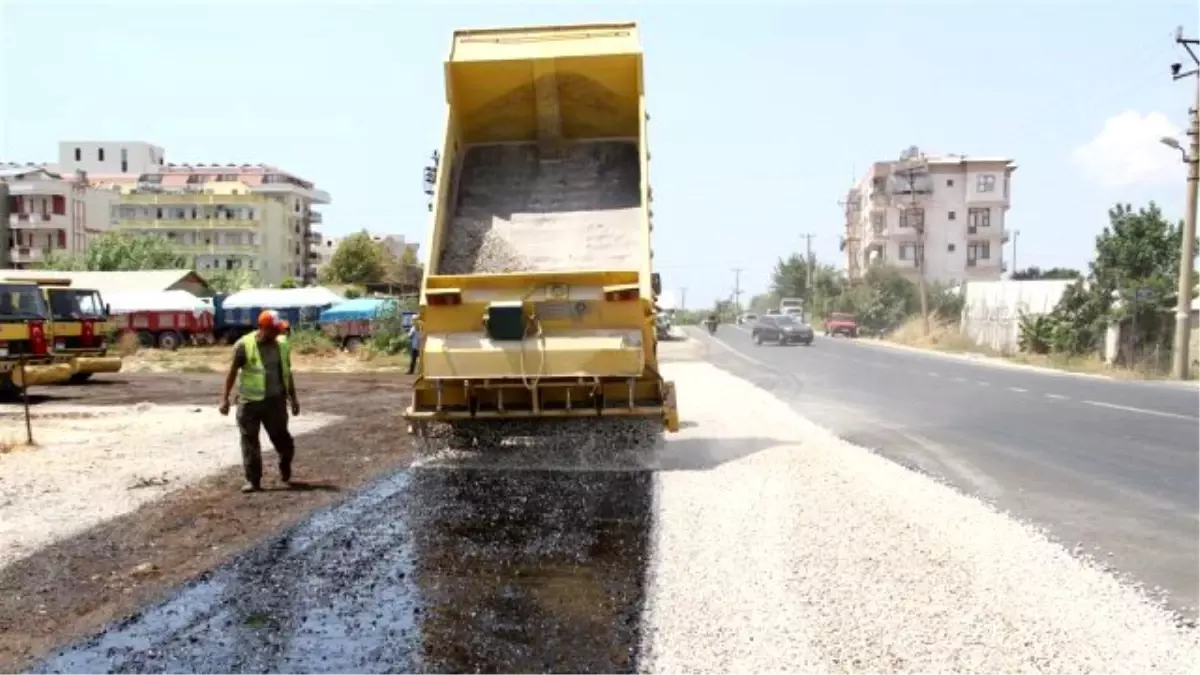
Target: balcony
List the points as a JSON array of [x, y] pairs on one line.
[[215, 249], [314, 257], [31, 221], [315, 217], [183, 224], [314, 238], [23, 255], [190, 199]]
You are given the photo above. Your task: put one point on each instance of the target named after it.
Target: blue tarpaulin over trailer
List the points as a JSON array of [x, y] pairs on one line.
[[362, 309]]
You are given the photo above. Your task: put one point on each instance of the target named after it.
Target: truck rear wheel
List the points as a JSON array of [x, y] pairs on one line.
[[352, 344], [169, 340]]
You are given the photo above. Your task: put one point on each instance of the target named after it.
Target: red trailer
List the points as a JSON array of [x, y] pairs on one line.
[[163, 319]]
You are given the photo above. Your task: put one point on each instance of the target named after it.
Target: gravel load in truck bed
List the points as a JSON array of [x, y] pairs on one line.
[[518, 213]]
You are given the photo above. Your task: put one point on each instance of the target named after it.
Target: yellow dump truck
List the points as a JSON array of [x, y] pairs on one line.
[[24, 336], [78, 328], [538, 295]]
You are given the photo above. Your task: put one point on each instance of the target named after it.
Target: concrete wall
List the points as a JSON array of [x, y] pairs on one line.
[[992, 311]]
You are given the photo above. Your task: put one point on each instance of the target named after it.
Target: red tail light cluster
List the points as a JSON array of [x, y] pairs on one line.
[[443, 299], [37, 338], [87, 334], [625, 295]]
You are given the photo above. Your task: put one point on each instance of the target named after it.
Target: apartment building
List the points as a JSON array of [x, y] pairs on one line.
[[222, 216], [50, 211], [950, 209]]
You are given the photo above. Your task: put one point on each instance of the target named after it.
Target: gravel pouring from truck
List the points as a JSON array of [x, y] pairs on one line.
[[538, 294]]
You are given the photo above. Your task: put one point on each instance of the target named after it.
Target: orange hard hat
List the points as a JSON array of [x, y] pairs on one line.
[[283, 324], [268, 318]]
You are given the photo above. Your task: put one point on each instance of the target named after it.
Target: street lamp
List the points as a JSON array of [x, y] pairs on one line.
[[1172, 142]]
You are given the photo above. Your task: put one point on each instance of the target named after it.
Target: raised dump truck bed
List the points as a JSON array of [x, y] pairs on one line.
[[538, 299]]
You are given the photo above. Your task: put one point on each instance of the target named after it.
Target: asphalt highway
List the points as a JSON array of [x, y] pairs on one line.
[[1103, 466]]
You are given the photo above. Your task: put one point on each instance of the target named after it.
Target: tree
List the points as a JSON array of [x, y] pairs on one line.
[[289, 282], [232, 281], [120, 252], [1037, 273], [1132, 277], [359, 259]]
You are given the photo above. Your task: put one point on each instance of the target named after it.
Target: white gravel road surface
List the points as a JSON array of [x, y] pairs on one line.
[[779, 548], [93, 463]]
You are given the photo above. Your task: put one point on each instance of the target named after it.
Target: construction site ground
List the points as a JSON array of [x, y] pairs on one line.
[[76, 584]]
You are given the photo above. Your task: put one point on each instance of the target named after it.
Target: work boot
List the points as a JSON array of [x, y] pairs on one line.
[[285, 474], [251, 487]]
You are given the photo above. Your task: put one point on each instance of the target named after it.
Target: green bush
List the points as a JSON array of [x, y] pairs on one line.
[[389, 336], [310, 341]]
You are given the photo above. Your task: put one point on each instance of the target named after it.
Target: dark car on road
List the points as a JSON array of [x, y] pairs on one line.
[[781, 329]]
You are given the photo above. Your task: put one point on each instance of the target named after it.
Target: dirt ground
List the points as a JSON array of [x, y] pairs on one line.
[[77, 584]]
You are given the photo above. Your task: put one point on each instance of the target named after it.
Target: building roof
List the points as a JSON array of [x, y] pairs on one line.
[[116, 282]]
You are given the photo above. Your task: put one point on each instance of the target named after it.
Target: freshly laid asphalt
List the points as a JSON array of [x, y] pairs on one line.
[[1106, 467]]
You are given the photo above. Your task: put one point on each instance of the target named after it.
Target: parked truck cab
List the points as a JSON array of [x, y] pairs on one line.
[[24, 337], [79, 329]]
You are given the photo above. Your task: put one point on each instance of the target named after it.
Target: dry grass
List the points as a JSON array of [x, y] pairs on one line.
[[8, 445], [216, 360], [946, 337], [943, 336]]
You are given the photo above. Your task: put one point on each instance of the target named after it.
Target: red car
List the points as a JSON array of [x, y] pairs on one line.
[[841, 323]]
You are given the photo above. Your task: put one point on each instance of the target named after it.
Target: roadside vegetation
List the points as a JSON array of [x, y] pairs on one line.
[[1130, 282]]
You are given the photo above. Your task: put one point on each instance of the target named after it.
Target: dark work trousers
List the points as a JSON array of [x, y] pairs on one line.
[[271, 414], [412, 361]]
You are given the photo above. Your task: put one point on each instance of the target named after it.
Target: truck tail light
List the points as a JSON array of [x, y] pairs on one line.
[[443, 297], [621, 293], [87, 334], [37, 338]]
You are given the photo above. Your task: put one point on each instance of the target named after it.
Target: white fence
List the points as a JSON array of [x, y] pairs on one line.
[[992, 309]]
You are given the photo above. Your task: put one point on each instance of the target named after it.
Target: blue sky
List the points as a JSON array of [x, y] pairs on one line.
[[762, 114]]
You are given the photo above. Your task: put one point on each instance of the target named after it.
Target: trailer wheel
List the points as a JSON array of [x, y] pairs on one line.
[[145, 339], [352, 344], [169, 340]]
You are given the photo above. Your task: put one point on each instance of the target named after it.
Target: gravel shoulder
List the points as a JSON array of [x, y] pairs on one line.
[[197, 519], [792, 550]]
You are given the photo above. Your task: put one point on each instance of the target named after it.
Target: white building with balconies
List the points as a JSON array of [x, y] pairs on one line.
[[50, 212], [949, 209]]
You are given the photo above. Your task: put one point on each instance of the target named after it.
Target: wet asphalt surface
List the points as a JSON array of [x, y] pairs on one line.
[[428, 570]]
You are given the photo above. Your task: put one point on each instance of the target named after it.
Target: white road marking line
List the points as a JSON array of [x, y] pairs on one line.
[[933, 374], [1143, 411], [1057, 397], [735, 352], [960, 379], [1018, 390], [983, 384]]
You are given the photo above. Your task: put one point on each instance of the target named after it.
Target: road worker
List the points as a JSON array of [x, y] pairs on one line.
[[262, 367], [414, 346], [285, 330]]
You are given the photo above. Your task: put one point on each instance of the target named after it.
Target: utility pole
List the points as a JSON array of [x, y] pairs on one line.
[[5, 228], [808, 274], [1016, 234], [737, 290], [911, 164], [1187, 253]]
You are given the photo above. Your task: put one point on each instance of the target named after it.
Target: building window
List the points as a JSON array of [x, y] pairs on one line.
[[913, 252], [158, 214], [950, 248], [914, 217], [949, 182], [78, 154], [985, 182], [62, 238], [249, 214], [951, 216], [58, 205], [124, 160], [979, 217], [100, 154], [978, 250]]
